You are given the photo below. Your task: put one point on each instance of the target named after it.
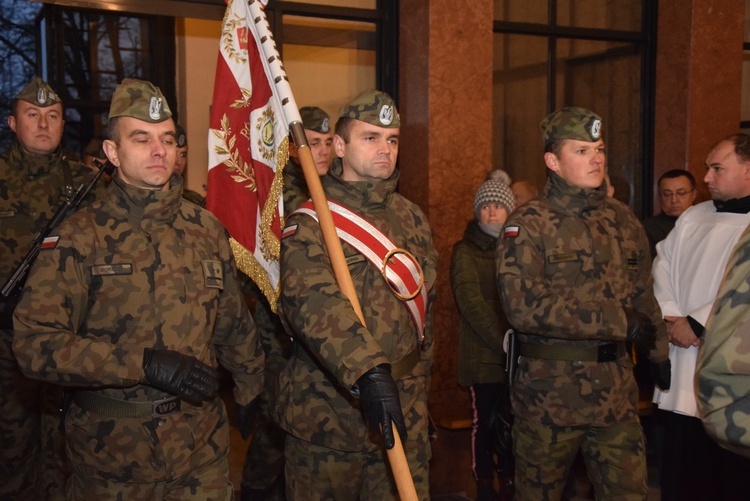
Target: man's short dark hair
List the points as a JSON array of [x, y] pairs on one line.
[[344, 128], [113, 131], [741, 142], [675, 173]]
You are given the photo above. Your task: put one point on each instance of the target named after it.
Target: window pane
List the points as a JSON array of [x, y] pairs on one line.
[[521, 11], [519, 104], [328, 61], [609, 14], [605, 77]]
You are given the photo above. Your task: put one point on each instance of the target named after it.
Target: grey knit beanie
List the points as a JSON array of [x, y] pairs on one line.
[[495, 190]]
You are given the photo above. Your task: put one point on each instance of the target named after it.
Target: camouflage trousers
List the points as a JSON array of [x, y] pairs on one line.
[[614, 455], [315, 473], [209, 482], [32, 458], [264, 462]]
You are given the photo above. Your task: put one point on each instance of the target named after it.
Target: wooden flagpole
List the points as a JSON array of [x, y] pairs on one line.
[[396, 455]]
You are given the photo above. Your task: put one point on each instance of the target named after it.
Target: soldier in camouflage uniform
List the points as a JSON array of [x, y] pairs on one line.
[[131, 306], [180, 166], [345, 376], [36, 177], [320, 139], [574, 272], [263, 473], [723, 381]]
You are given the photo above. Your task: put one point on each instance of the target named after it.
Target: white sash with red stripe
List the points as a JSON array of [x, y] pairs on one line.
[[400, 269]]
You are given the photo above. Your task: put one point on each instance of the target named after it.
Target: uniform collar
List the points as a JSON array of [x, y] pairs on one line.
[[573, 199], [31, 163], [362, 194], [142, 204]]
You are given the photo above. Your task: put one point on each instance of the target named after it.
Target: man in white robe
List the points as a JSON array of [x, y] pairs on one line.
[[687, 273]]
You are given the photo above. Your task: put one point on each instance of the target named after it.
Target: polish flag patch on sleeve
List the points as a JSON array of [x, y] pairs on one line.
[[49, 242], [510, 231]]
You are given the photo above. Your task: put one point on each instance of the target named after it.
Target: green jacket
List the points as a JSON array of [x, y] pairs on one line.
[[568, 262], [723, 372], [138, 269], [332, 347], [32, 188], [481, 358]]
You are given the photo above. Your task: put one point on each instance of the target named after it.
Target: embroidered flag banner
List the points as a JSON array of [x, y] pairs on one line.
[[248, 146]]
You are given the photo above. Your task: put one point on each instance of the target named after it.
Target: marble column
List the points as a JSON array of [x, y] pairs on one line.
[[445, 103], [698, 83]]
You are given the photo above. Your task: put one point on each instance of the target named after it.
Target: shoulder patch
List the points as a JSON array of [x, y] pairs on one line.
[[49, 242], [213, 274], [511, 231], [289, 231]]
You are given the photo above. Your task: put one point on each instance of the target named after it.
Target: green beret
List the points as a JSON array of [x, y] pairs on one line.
[[39, 93], [373, 107], [315, 119], [139, 99], [181, 136], [572, 122]]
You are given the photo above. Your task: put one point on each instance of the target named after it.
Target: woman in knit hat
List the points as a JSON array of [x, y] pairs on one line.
[[481, 363]]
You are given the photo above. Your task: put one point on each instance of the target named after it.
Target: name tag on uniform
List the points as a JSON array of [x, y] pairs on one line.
[[565, 257], [105, 270], [213, 274]]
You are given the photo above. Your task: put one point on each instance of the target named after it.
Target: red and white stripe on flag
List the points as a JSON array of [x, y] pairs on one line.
[[248, 146]]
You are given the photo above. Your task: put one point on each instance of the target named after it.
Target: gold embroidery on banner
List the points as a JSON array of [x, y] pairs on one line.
[[269, 242], [265, 127], [245, 101], [248, 265], [241, 171], [227, 37]]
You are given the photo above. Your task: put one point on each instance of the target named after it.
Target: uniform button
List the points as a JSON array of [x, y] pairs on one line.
[[577, 363], [596, 381], [160, 423]]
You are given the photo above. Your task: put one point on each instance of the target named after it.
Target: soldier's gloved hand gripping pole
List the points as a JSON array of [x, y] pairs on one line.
[[277, 78], [15, 282]]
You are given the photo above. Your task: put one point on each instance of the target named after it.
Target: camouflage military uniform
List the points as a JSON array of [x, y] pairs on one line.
[[723, 381], [32, 187], [295, 186], [568, 262], [140, 269], [333, 349]]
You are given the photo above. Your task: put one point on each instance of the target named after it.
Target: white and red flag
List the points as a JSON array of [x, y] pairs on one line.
[[248, 146]]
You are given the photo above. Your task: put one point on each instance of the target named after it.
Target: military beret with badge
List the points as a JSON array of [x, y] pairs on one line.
[[39, 93], [571, 122], [139, 99], [373, 107]]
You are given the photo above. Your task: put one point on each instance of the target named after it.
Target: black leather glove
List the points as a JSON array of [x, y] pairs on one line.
[[378, 395], [641, 330], [180, 375], [247, 417], [662, 374]]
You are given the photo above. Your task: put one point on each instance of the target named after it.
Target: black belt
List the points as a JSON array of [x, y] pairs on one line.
[[604, 352]]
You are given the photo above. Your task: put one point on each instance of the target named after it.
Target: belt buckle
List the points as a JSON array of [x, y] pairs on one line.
[[165, 406], [409, 256], [606, 352]]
